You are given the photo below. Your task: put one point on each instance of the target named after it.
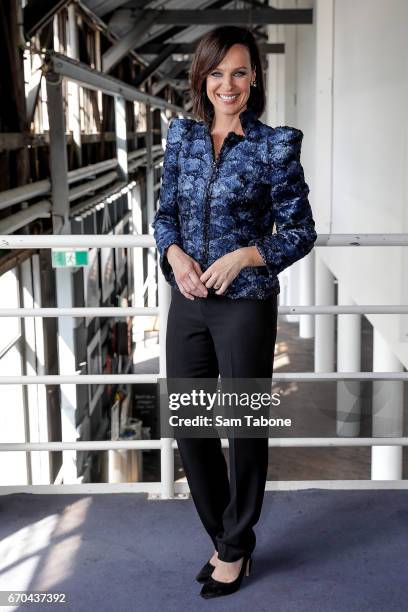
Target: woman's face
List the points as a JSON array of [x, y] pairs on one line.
[[232, 79]]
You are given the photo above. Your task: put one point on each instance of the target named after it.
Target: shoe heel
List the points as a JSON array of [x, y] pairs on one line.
[[248, 566]]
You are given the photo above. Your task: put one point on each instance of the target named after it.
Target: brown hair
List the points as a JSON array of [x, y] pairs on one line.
[[210, 50]]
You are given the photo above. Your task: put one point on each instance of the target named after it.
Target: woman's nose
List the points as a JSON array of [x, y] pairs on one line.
[[227, 83]]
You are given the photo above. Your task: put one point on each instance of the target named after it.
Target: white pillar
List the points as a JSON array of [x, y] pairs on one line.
[[290, 40], [276, 115], [324, 325], [388, 412], [348, 360], [323, 16], [275, 81]]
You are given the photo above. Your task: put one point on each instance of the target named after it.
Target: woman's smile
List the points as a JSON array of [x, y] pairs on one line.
[[228, 98]]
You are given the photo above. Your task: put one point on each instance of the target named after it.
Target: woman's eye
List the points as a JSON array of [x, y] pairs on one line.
[[218, 73]]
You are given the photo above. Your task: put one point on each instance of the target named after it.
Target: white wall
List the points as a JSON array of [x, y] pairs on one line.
[[368, 148]]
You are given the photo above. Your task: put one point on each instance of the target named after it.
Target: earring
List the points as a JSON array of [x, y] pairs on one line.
[[253, 84]]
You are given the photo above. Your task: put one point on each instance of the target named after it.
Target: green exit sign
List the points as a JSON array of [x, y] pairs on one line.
[[69, 259]]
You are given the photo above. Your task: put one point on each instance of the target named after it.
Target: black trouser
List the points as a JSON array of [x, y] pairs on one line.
[[232, 338]]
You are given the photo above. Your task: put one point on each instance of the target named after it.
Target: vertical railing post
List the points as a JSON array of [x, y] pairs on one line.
[[74, 109], [324, 349], [61, 225], [387, 412], [121, 136], [167, 452], [151, 256], [348, 393]]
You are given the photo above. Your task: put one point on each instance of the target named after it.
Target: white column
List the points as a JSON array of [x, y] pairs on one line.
[[388, 412], [275, 81], [323, 15], [324, 325], [348, 360], [290, 40], [275, 110]]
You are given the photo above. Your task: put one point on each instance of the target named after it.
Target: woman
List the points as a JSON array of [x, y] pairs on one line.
[[226, 180]]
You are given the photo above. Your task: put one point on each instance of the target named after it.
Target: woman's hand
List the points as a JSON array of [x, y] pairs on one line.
[[187, 272], [222, 272]]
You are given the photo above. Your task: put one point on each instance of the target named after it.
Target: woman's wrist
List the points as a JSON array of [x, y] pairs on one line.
[[171, 250], [250, 256]]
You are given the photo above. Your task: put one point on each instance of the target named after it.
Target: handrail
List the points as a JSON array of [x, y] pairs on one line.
[[94, 379], [158, 444], [167, 444], [135, 311], [146, 240]]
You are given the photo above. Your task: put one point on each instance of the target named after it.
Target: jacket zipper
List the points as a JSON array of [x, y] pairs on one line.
[[215, 165]]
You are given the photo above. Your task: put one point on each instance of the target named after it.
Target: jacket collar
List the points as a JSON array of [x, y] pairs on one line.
[[247, 118]]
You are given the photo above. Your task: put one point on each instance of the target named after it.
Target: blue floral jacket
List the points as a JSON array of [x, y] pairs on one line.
[[210, 207]]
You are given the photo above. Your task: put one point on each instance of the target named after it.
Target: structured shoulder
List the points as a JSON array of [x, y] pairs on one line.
[[178, 128], [285, 142], [286, 134]]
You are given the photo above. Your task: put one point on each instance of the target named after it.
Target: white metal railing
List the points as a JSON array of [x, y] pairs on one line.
[[166, 486]]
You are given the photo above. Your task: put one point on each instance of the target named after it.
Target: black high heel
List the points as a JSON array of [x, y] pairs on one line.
[[205, 572], [215, 588]]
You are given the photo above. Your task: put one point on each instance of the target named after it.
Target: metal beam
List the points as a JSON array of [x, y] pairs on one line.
[[33, 86], [243, 17], [155, 64], [58, 155], [171, 77], [91, 186], [104, 28], [12, 223], [162, 36], [103, 7], [63, 277], [57, 64], [188, 48], [32, 190], [132, 39], [23, 193]]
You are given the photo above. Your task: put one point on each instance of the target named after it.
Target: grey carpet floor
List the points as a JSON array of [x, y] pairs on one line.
[[317, 551]]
